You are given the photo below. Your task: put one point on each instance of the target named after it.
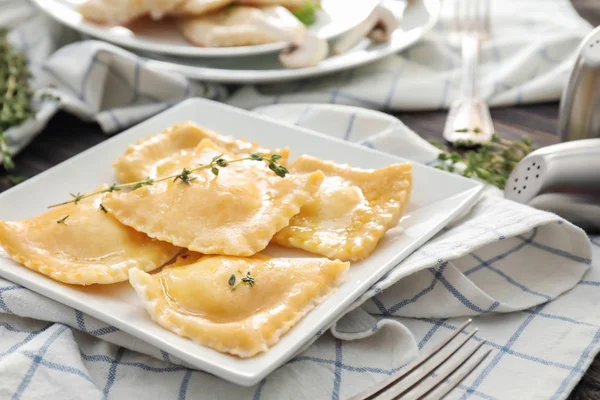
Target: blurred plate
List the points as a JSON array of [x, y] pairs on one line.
[[334, 18], [417, 18]]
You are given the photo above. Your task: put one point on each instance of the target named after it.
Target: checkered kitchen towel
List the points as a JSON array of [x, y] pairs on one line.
[[501, 263], [523, 274]]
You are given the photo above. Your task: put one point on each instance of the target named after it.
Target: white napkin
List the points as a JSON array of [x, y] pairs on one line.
[[527, 59], [501, 258], [502, 263]]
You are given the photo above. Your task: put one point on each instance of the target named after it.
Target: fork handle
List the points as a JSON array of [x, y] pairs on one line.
[[470, 57]]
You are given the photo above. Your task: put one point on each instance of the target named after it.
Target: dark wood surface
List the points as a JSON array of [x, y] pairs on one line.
[[66, 136]]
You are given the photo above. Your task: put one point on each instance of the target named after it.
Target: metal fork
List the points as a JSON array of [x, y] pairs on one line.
[[469, 118], [435, 373]]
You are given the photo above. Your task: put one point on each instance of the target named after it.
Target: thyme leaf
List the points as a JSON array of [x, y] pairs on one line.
[[15, 94], [63, 220], [491, 162], [247, 279]]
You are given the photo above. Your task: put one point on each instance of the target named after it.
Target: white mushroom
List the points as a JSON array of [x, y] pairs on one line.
[[306, 49], [311, 51], [378, 26]]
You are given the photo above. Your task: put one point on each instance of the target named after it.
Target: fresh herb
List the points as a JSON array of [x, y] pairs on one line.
[[16, 179], [63, 220], [49, 96], [185, 176], [140, 184], [248, 279], [307, 14], [231, 280], [491, 162], [76, 197], [476, 130], [102, 208], [15, 95]]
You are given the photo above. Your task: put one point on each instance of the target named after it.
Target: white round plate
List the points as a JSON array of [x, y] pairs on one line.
[[334, 19], [418, 18]]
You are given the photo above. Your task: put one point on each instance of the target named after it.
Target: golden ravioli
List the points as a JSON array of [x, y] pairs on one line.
[[119, 12], [193, 298], [351, 211], [88, 246], [234, 213], [199, 7], [158, 155], [242, 26]]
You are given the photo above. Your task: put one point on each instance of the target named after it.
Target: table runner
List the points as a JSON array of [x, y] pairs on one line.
[[502, 263], [540, 350]]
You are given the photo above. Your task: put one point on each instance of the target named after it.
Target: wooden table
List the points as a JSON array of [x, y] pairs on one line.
[[66, 136]]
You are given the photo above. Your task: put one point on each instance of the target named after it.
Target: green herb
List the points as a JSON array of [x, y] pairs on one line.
[[307, 14], [15, 95], [476, 130], [49, 96], [76, 197], [102, 208], [491, 162], [63, 220], [248, 279], [16, 179], [140, 184], [185, 176]]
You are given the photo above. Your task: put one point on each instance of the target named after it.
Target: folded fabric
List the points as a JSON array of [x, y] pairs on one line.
[[499, 258], [527, 59]]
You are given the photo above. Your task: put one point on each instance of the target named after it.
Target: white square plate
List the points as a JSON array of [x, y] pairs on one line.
[[438, 197]]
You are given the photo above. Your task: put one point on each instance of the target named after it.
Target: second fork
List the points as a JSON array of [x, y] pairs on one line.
[[469, 119]]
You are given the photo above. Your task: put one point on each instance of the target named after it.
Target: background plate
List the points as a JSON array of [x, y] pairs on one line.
[[334, 18], [438, 197], [418, 19]]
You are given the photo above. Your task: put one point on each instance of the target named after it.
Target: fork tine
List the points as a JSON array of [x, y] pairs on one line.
[[380, 387], [458, 376], [443, 371], [399, 389]]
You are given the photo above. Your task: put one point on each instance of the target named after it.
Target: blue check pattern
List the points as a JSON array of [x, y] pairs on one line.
[[542, 331], [66, 346]]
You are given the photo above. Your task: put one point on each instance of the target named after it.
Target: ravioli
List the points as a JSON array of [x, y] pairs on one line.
[[291, 4], [160, 154], [235, 213], [82, 245], [242, 26], [199, 7], [351, 211], [194, 299], [120, 12]]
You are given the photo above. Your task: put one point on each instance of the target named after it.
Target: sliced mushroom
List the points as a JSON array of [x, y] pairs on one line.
[[306, 49], [311, 51], [378, 26]]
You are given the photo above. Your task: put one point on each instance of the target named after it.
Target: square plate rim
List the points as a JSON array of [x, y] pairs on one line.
[[245, 378]]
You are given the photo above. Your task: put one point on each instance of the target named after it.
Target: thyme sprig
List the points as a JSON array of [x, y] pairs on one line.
[[248, 279], [15, 95], [185, 176], [491, 162]]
